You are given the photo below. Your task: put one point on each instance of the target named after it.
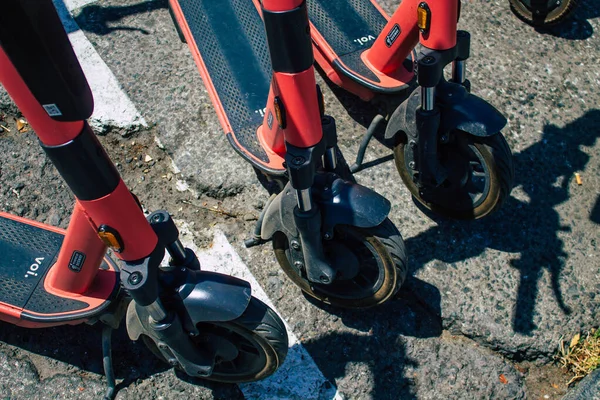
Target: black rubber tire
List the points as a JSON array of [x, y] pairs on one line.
[[258, 327], [384, 245], [554, 17], [495, 153]]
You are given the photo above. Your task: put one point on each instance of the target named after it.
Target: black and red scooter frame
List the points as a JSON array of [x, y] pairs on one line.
[[51, 277], [424, 112], [277, 123]]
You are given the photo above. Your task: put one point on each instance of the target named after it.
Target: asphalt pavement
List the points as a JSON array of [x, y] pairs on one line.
[[486, 302]]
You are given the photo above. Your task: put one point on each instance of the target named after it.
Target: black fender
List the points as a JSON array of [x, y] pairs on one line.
[[340, 202], [210, 296], [459, 109], [206, 296]]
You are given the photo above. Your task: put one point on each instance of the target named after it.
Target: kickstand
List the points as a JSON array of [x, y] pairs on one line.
[[256, 239], [107, 362], [357, 166]]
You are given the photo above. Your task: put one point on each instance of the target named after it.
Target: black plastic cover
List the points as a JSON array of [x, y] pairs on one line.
[[345, 203], [35, 41], [84, 165], [288, 35]]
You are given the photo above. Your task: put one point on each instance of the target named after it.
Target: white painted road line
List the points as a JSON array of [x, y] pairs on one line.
[[298, 377], [112, 107], [75, 4]]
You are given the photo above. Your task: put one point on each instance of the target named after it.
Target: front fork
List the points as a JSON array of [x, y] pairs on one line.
[[145, 280], [302, 164], [422, 152]]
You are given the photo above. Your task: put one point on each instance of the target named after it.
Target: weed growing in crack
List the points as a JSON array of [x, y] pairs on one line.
[[580, 356]]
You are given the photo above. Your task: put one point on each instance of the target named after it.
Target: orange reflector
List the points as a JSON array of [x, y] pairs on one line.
[[279, 112], [423, 17], [111, 238]]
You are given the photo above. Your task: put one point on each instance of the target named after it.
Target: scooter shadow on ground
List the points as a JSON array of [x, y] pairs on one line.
[[595, 214], [81, 346], [102, 20], [380, 343], [577, 26], [545, 171]]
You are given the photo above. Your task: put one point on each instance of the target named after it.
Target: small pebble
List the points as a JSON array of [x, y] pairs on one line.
[[54, 220]]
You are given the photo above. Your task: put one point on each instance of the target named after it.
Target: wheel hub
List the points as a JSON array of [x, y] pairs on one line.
[[225, 349], [344, 261]]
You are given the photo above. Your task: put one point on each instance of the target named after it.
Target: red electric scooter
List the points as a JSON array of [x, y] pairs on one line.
[[330, 235], [447, 142], [204, 323]]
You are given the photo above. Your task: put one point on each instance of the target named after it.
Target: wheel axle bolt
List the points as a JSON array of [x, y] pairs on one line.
[[428, 60], [135, 278], [411, 165], [324, 279], [327, 236], [298, 160], [157, 218], [299, 265], [412, 144], [295, 245], [173, 361]]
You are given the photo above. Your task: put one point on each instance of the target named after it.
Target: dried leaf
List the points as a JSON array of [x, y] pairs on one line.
[[2, 127], [503, 379], [578, 179], [148, 158], [555, 386], [575, 340], [22, 125]]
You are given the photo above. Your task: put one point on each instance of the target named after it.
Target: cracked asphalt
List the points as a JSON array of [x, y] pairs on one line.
[[486, 302]]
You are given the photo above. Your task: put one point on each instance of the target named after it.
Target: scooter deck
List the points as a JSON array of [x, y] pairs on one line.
[[27, 251], [342, 31], [228, 42]]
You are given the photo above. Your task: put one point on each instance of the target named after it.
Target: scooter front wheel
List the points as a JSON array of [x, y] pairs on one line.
[[249, 348], [556, 11], [373, 261], [480, 176]]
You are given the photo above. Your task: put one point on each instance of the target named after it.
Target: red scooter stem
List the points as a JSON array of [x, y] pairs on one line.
[[298, 92], [116, 209], [50, 132], [288, 35], [281, 5], [76, 267], [444, 19], [401, 34], [397, 39]]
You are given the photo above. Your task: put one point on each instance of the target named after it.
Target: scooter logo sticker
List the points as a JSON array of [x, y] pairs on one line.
[[270, 120], [34, 267], [77, 260], [393, 35]]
